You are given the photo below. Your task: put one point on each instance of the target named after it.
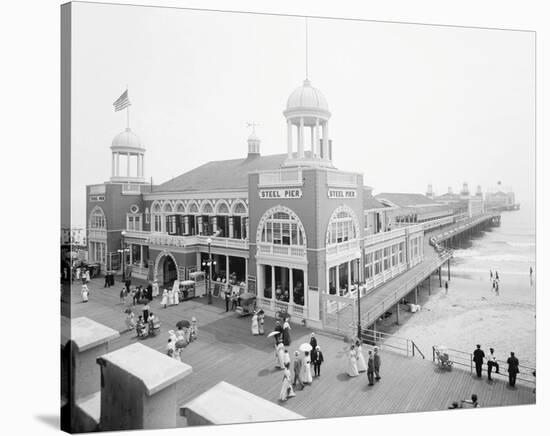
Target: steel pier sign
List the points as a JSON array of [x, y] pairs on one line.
[[342, 193], [276, 194]]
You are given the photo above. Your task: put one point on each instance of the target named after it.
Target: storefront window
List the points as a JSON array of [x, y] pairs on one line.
[[282, 228], [341, 227]]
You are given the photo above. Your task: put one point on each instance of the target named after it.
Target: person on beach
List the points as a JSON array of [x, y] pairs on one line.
[[370, 368], [530, 271], [513, 369], [478, 359], [286, 388], [496, 276], [491, 363], [361, 364], [472, 403], [491, 274], [317, 359], [352, 362], [497, 289], [297, 370], [377, 363], [446, 287], [494, 285]]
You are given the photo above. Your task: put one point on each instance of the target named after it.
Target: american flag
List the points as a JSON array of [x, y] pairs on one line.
[[122, 102]]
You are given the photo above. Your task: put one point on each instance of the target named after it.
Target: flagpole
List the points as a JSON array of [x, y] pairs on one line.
[[127, 111]]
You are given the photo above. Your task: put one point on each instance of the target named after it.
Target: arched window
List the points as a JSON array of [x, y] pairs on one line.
[[342, 226], [240, 209], [155, 208], [281, 226], [193, 208], [97, 219], [222, 208], [167, 208], [207, 208], [180, 208]]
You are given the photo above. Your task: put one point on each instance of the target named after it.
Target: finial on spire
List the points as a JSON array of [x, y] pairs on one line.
[[253, 125]]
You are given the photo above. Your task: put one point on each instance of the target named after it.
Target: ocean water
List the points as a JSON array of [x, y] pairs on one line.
[[471, 312]]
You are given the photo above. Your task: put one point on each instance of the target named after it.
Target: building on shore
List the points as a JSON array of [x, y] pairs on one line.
[[290, 228]]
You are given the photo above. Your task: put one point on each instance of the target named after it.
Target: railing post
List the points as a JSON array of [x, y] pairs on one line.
[[412, 348], [433, 353]]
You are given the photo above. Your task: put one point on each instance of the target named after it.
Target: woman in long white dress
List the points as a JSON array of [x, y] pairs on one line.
[[85, 293], [130, 321], [352, 362], [361, 364], [306, 369], [164, 301], [286, 388], [155, 289], [280, 355], [176, 296], [255, 326]]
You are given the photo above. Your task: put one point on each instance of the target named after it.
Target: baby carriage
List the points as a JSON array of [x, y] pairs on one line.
[[443, 360]]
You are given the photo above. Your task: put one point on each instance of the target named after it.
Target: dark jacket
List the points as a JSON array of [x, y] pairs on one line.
[[370, 363], [317, 357], [478, 356], [513, 365], [313, 343]]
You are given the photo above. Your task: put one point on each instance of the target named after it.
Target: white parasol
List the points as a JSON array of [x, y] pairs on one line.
[[305, 347], [275, 333]]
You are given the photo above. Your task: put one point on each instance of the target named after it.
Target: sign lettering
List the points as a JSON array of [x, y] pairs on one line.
[[342, 193], [275, 194]]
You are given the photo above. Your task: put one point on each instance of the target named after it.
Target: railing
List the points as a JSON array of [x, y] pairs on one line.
[[393, 342], [373, 313], [341, 180], [138, 234], [281, 306], [465, 359], [384, 236], [457, 229], [97, 189], [291, 177], [131, 188], [342, 247], [282, 250], [185, 241], [437, 223]]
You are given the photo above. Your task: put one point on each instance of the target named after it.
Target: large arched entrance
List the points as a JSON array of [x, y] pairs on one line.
[[166, 270]]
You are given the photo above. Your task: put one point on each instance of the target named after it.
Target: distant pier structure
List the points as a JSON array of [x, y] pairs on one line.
[[501, 199]]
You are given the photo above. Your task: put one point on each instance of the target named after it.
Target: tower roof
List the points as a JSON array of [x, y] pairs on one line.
[[127, 140], [307, 97]]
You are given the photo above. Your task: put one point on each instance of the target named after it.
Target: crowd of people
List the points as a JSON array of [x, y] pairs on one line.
[[180, 338], [356, 363], [495, 280]]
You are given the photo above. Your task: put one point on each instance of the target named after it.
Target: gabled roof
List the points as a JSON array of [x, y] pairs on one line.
[[369, 203], [406, 200], [222, 174]]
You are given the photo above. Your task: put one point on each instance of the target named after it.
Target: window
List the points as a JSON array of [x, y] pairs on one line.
[[133, 222], [401, 252], [368, 266], [394, 250], [157, 223], [97, 219], [281, 228], [387, 251], [342, 226], [377, 262]]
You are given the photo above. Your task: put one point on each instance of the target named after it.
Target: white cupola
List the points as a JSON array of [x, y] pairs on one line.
[[126, 146]]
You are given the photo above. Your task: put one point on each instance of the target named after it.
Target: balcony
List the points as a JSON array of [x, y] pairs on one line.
[[270, 179], [385, 236], [166, 240], [342, 248], [282, 250]]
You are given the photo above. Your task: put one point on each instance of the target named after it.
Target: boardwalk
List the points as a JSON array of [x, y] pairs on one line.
[[226, 350]]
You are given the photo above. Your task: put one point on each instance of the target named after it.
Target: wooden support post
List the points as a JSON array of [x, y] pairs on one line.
[[430, 285], [397, 313], [416, 295], [440, 284], [449, 269]]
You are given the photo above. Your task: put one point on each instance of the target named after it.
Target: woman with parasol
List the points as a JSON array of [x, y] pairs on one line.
[[286, 332], [306, 369], [352, 362], [130, 319]]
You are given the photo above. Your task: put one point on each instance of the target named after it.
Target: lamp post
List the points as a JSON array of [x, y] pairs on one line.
[[357, 284], [209, 263], [122, 252]]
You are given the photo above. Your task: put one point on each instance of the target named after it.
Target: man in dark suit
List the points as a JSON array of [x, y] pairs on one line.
[[370, 368], [317, 359], [513, 369], [478, 359]]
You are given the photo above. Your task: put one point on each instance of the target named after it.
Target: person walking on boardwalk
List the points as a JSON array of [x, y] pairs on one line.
[[255, 327], [370, 368], [164, 300], [286, 332], [280, 355], [313, 341], [261, 321], [227, 297], [513, 369], [286, 388], [317, 359], [491, 363], [146, 312], [352, 362], [85, 292], [361, 364], [297, 370], [478, 359], [123, 296], [377, 363], [278, 328], [286, 358], [306, 369]]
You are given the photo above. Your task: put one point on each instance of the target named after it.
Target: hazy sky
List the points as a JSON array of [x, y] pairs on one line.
[[410, 104]]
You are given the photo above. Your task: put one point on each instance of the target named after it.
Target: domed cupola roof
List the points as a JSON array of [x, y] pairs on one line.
[[307, 97], [127, 140]]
